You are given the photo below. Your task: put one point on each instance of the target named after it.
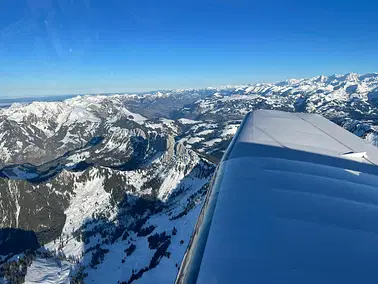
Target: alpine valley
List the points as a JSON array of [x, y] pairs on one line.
[[108, 188]]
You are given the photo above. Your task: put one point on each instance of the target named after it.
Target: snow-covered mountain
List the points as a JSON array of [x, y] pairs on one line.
[[100, 187], [349, 100], [111, 186]]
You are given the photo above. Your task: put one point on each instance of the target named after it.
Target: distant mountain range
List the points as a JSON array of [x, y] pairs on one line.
[[110, 187]]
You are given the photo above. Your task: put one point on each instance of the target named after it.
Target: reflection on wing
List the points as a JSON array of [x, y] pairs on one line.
[[294, 200]]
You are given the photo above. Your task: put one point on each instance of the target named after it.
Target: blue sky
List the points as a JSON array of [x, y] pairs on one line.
[[51, 47]]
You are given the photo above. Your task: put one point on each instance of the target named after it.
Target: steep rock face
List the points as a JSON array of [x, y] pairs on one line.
[[35, 207]]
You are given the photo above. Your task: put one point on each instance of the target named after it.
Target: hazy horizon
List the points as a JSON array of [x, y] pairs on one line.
[[55, 96]]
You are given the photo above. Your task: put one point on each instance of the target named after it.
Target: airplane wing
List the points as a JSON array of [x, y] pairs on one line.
[[294, 200]]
